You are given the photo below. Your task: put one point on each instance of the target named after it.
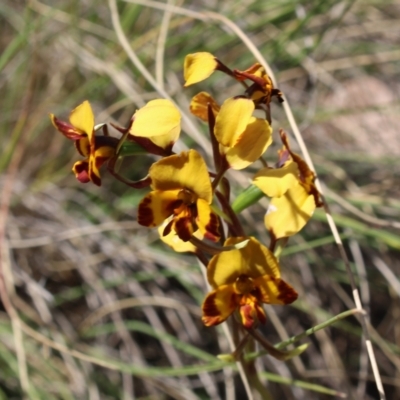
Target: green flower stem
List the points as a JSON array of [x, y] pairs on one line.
[[213, 248], [142, 183], [302, 384], [237, 354], [252, 375], [273, 351], [247, 343], [318, 327], [130, 149], [122, 141], [248, 197], [280, 245], [306, 333]]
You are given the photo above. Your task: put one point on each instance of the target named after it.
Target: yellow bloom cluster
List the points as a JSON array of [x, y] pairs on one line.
[[242, 279], [191, 205]]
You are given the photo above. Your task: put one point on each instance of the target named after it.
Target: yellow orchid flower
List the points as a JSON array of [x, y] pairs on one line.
[[242, 138], [262, 89], [293, 192], [198, 66], [159, 122], [242, 280], [182, 192], [96, 149]]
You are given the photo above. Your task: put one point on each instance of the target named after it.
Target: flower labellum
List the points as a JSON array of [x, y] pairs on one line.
[[182, 192], [242, 280]]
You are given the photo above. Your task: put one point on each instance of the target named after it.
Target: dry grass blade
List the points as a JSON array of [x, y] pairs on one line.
[[138, 64]]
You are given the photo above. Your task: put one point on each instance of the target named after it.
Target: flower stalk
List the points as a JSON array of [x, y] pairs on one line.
[[190, 203]]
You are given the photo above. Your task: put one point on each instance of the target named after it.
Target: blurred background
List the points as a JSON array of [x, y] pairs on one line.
[[96, 307]]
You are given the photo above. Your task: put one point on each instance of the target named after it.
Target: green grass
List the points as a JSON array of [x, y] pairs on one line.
[[52, 57]]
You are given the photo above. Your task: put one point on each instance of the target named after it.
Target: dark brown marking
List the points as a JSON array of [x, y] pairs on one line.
[[145, 213], [212, 228], [286, 293]]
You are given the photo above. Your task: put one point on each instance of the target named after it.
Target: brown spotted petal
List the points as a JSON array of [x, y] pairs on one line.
[[83, 146], [219, 305], [172, 239], [207, 221], [183, 225], [275, 290], [103, 149], [252, 261], [157, 206]]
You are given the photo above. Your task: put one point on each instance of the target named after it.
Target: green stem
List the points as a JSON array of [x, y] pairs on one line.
[[280, 245], [122, 140], [249, 367], [269, 347], [306, 333], [318, 327]]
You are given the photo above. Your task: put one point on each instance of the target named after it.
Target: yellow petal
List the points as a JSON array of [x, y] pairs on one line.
[[253, 260], [306, 176], [276, 182], [287, 215], [172, 240], [251, 145], [156, 207], [207, 221], [97, 159], [82, 118], [186, 170], [232, 120], [198, 66], [94, 173], [156, 118], [104, 153], [166, 141], [219, 305], [275, 290], [83, 146], [199, 105]]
